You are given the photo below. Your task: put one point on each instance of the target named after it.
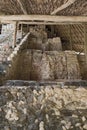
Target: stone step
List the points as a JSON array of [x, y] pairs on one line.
[[61, 83], [48, 65]]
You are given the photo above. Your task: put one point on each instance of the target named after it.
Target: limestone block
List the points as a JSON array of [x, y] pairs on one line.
[[25, 65], [73, 68], [60, 66], [40, 66], [21, 66], [55, 44]]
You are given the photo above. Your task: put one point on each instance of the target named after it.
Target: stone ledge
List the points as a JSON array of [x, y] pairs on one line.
[[60, 83]]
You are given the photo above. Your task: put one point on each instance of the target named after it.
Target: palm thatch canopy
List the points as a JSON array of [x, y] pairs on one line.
[[62, 7]]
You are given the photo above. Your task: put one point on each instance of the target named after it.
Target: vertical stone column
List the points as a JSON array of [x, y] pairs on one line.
[[14, 34], [22, 30]]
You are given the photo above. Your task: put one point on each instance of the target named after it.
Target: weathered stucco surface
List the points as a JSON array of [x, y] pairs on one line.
[[43, 108]]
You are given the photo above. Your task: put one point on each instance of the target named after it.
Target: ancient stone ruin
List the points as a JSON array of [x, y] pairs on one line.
[[43, 64], [42, 86], [41, 58]]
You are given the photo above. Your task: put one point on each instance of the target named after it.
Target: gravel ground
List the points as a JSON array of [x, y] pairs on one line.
[[43, 108]]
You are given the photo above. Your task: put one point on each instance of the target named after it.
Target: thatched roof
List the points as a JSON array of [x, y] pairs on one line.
[[78, 7]]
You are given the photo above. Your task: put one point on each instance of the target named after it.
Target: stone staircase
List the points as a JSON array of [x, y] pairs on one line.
[[55, 100], [41, 58], [7, 55]]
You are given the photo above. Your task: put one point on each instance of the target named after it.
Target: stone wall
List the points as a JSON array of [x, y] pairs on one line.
[[48, 65], [40, 58], [83, 67], [44, 44], [43, 108]]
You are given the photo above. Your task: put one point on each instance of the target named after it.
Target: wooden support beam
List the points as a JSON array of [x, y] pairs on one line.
[[52, 30], [14, 35], [85, 42], [62, 7], [21, 30], [22, 8], [70, 36], [45, 18], [7, 22], [46, 23]]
